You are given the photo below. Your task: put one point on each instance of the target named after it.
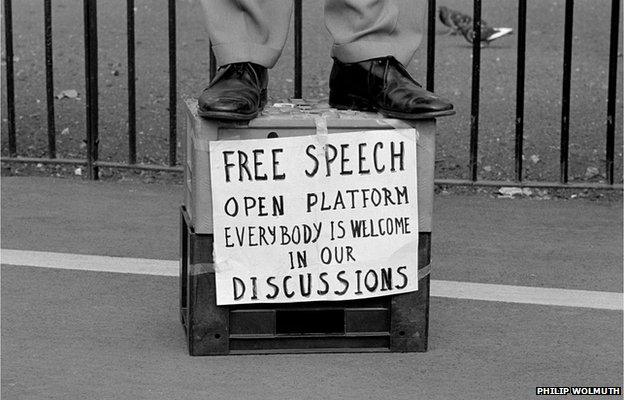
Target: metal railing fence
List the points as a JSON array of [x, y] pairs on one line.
[[91, 82]]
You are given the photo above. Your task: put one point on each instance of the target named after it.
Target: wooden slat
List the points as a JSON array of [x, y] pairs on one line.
[[303, 343], [203, 131], [376, 302], [313, 350]]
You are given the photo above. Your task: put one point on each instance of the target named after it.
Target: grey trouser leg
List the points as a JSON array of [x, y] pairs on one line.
[[364, 29], [256, 30], [247, 30]]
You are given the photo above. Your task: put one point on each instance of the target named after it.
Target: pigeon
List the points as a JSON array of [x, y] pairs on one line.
[[445, 15], [453, 19], [463, 24]]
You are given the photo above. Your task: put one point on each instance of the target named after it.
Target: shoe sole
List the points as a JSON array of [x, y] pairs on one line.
[[351, 102], [234, 116], [227, 116]]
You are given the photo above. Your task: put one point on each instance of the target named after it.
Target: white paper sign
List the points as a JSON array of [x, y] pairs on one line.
[[310, 218]]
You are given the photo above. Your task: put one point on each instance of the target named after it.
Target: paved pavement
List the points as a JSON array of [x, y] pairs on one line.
[[84, 334]]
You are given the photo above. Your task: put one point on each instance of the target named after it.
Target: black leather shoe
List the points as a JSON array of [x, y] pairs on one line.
[[385, 86], [238, 92]]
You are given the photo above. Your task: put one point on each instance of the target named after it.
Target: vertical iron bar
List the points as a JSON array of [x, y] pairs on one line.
[[91, 85], [522, 10], [431, 21], [172, 84], [47, 22], [476, 70], [611, 91], [213, 64], [298, 49], [10, 76], [132, 150], [565, 98]]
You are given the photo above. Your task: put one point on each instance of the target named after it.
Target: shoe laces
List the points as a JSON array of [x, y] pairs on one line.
[[401, 68], [242, 67]]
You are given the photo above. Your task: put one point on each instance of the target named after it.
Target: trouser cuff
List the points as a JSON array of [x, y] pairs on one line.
[[228, 53], [365, 50]]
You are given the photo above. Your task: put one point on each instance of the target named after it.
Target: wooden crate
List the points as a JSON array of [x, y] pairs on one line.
[[390, 323]]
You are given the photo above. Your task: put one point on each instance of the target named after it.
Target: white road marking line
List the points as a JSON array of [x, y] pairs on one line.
[[528, 295], [84, 262], [449, 289]]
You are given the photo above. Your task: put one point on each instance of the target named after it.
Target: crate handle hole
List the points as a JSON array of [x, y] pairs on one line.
[[291, 322], [272, 135]]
